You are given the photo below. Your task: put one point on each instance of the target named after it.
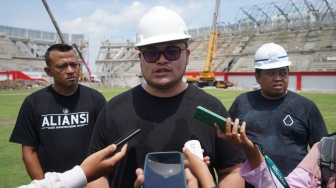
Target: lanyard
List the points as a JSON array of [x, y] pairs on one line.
[[276, 171], [271, 166]]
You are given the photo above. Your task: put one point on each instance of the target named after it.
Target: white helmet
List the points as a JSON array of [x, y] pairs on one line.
[[160, 25], [271, 56]]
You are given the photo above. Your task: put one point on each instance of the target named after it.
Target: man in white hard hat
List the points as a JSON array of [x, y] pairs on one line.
[[284, 122], [163, 107]]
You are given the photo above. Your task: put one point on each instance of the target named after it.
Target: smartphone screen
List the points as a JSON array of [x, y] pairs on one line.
[[164, 170]]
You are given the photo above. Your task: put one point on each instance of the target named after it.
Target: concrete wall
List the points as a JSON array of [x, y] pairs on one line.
[[317, 81], [298, 81]]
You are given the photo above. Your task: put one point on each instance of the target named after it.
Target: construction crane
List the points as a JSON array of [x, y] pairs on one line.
[[64, 42], [207, 77]]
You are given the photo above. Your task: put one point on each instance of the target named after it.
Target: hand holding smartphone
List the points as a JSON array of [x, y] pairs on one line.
[[208, 117], [121, 141], [195, 147]]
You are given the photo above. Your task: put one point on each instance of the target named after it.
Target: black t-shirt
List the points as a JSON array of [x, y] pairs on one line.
[[166, 124], [60, 127], [285, 127]]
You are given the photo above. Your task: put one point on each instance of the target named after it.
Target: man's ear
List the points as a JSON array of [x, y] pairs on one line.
[[47, 70], [187, 54], [257, 76]]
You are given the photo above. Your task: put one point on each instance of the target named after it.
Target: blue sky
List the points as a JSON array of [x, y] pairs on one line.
[[115, 20]]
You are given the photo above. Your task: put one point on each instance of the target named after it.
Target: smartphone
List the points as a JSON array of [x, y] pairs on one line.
[[208, 117], [164, 170], [121, 141]]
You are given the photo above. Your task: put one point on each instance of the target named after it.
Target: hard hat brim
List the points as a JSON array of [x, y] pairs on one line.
[[161, 39], [274, 65]]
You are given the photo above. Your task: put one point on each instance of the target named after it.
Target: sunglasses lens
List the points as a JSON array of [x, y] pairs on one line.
[[151, 56], [172, 53]]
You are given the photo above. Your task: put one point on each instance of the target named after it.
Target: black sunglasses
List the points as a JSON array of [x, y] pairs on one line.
[[171, 53]]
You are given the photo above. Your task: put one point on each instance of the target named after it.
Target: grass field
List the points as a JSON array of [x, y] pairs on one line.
[[13, 172]]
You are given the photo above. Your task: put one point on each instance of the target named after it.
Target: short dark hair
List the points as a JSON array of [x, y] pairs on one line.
[[57, 47], [185, 41]]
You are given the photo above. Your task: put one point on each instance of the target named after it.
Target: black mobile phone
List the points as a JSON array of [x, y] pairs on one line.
[[208, 117], [164, 170], [121, 141]]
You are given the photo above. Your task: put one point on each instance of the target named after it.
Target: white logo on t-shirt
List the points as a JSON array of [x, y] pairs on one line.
[[288, 121], [65, 110], [66, 120]]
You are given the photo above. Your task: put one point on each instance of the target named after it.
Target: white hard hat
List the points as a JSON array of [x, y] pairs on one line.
[[271, 56], [160, 25]]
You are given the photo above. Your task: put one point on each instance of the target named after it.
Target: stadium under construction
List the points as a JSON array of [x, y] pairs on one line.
[[305, 28]]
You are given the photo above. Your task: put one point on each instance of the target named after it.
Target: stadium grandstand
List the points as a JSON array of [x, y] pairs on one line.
[[22, 53], [305, 28]]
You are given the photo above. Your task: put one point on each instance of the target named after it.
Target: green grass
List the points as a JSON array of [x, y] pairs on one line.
[[13, 172]]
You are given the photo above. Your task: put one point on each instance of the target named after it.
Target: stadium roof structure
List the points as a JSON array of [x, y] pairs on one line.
[[16, 32], [291, 14]]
